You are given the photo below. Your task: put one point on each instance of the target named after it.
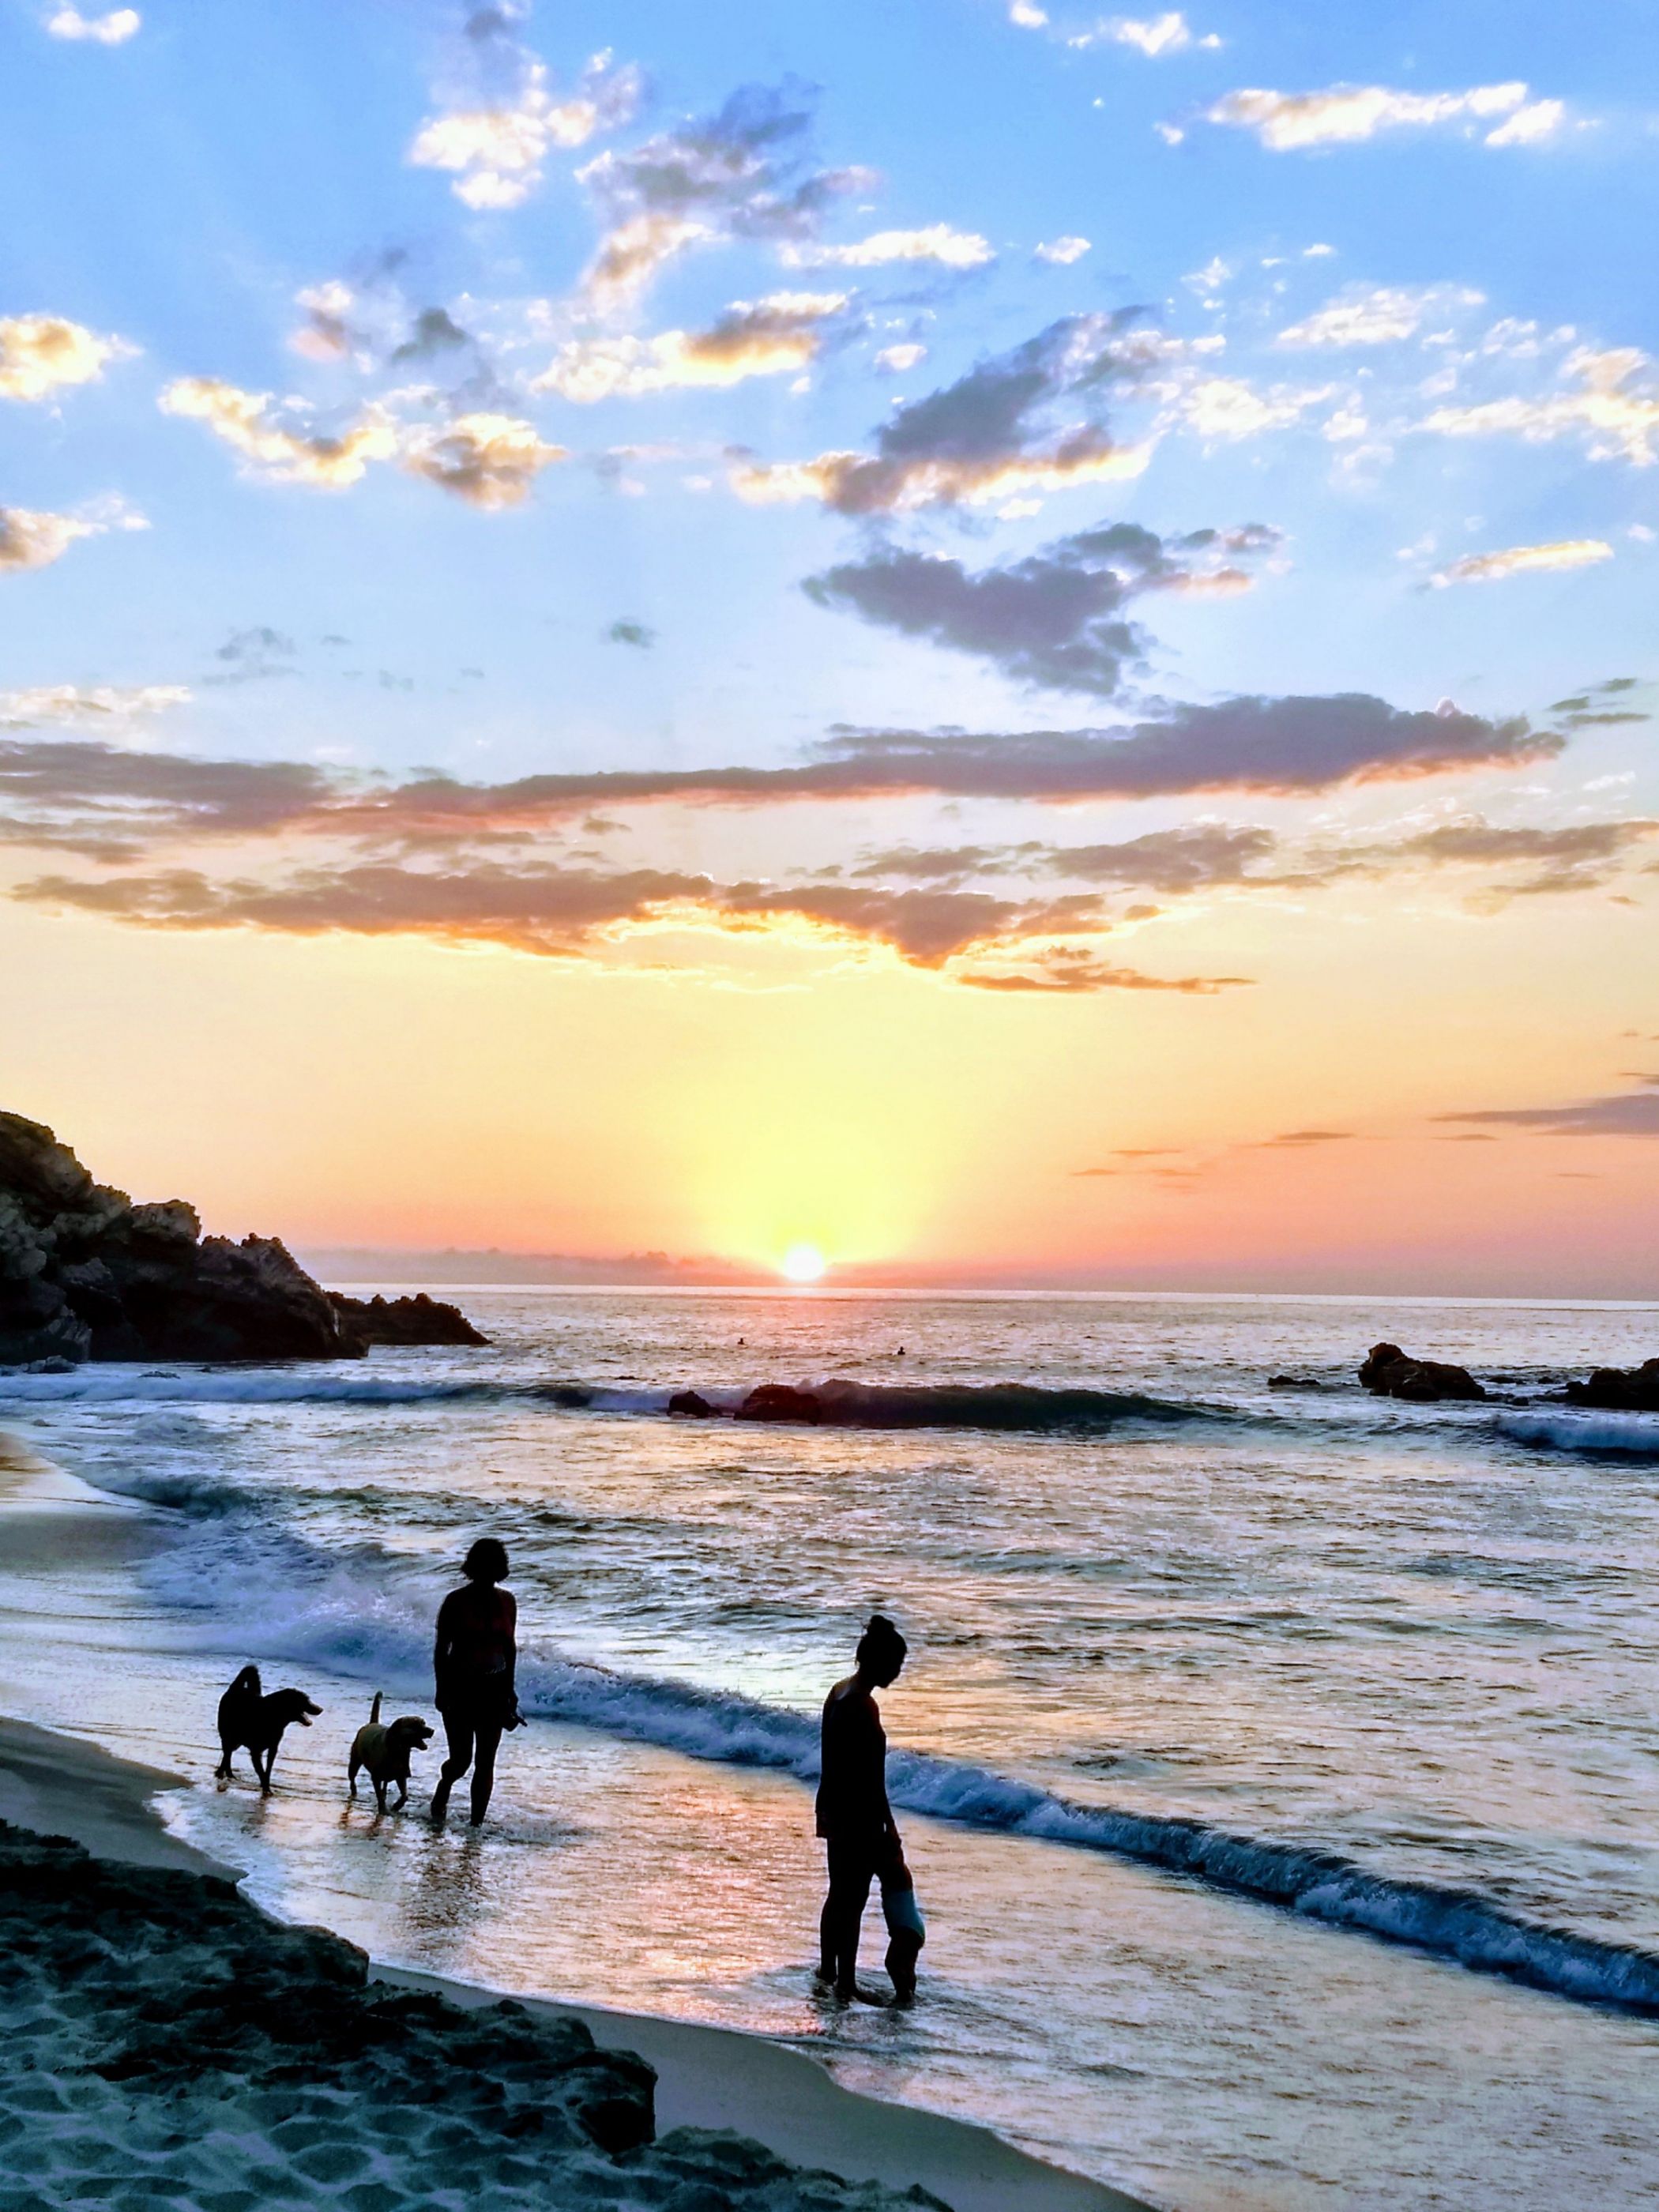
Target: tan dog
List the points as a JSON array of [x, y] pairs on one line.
[[385, 1752]]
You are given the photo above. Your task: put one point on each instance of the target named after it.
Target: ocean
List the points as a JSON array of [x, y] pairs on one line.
[[1279, 1767]]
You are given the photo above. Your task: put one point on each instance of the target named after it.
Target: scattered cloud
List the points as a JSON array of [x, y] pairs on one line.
[[113, 802], [1055, 618], [1275, 746], [490, 461], [254, 656], [1080, 972], [506, 118], [486, 458], [1531, 124], [572, 911], [939, 242], [899, 358], [1198, 857], [434, 331], [1377, 314], [79, 705], [251, 423], [744, 172], [1615, 409], [113, 29], [1522, 559], [40, 353], [624, 632], [1617, 1114], [1349, 114], [1061, 252], [33, 538], [1295, 1139], [991, 433], [1578, 856], [1151, 36], [780, 334], [1230, 409]]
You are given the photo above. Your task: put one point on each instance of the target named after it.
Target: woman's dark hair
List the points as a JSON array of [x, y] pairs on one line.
[[881, 1640], [486, 1562]]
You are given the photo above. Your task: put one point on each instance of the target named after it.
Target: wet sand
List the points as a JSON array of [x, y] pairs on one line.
[[707, 2079]]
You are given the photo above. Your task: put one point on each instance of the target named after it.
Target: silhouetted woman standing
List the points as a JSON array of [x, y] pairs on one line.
[[473, 1662], [854, 1816]]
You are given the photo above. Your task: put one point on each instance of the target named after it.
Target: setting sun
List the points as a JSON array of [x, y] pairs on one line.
[[804, 1263]]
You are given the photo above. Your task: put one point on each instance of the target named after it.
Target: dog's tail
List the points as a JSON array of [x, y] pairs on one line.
[[374, 1709], [247, 1679]]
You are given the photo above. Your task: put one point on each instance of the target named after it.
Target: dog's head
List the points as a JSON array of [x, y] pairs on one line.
[[292, 1705], [410, 1732]]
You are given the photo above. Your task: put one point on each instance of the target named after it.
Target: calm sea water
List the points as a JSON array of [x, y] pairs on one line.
[[1214, 1696]]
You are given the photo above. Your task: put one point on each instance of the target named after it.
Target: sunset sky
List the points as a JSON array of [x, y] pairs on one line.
[[1013, 642]]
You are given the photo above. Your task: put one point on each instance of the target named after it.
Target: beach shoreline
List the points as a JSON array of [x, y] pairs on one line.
[[707, 2079]]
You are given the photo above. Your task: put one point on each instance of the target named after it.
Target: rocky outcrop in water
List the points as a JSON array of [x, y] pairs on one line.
[[1392, 1373], [780, 1401], [85, 1274], [1619, 1389], [407, 1321]]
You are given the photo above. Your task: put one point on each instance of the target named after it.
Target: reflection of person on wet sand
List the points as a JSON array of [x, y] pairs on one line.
[[473, 1661], [857, 1825]]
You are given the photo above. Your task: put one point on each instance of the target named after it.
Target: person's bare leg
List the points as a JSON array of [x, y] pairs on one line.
[[903, 1952], [459, 1734], [483, 1769]]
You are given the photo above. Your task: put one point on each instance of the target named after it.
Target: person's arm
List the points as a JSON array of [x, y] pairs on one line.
[[441, 1647], [510, 1622], [889, 1827]]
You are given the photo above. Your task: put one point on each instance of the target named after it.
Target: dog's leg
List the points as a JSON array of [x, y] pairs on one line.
[[351, 1777], [223, 1770]]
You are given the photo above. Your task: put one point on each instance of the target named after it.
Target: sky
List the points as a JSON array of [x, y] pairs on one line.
[[1014, 643]]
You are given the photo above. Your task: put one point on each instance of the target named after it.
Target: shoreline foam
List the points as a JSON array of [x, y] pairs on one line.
[[708, 2078]]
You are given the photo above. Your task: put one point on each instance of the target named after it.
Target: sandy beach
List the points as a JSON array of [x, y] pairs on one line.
[[220, 2058]]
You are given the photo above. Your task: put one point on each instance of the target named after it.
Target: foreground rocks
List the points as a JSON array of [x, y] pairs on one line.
[[1621, 1390], [167, 2045], [1392, 1373], [85, 1274]]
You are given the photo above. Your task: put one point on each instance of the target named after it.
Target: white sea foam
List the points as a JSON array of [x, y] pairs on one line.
[[1632, 1435], [254, 1590]]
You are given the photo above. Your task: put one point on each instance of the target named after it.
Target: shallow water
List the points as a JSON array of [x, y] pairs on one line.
[[1421, 1638]]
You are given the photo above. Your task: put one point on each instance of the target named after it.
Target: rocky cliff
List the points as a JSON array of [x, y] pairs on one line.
[[86, 1274]]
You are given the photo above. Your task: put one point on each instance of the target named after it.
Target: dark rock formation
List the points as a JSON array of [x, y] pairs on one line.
[[692, 1405], [169, 2045], [406, 1320], [1294, 1383], [780, 1401], [86, 1274], [1392, 1373], [1621, 1390]]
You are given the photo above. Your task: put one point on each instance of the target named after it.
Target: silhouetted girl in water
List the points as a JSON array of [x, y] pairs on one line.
[[473, 1661], [856, 1821]]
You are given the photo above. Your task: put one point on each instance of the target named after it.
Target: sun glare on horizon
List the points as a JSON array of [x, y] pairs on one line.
[[804, 1263]]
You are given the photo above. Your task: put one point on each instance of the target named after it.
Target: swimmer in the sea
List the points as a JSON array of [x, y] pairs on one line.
[[473, 1662]]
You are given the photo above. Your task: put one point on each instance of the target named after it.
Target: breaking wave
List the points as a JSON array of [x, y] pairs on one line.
[[1014, 1406], [258, 1590], [1630, 1436]]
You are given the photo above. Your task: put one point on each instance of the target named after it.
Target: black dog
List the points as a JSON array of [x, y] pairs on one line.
[[248, 1717]]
